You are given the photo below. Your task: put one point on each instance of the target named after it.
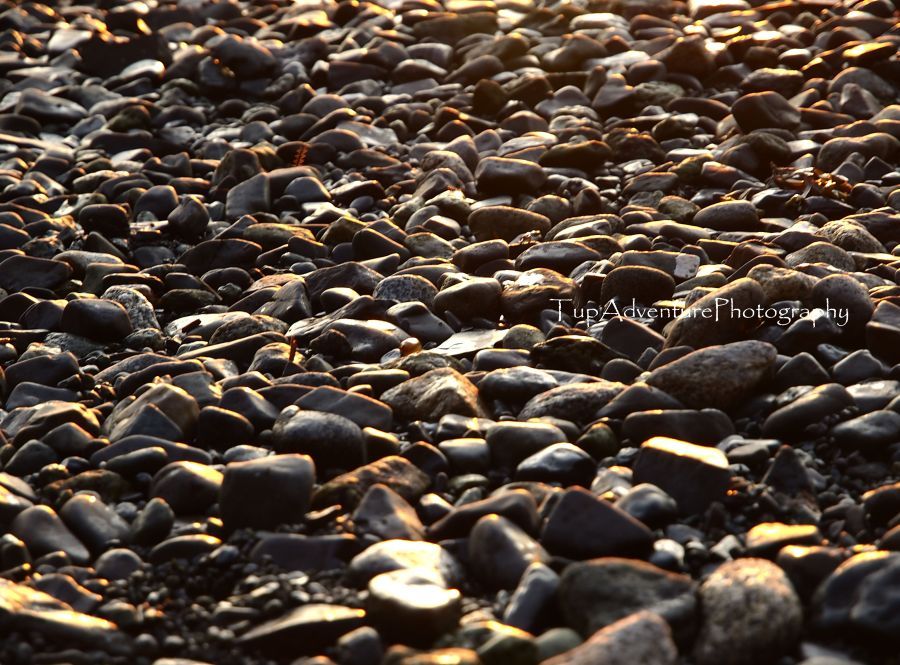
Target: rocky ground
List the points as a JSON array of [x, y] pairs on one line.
[[458, 332]]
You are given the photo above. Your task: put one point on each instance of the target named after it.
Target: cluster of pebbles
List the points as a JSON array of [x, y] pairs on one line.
[[450, 332]]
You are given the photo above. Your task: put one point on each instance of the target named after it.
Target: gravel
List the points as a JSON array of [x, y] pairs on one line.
[[450, 331]]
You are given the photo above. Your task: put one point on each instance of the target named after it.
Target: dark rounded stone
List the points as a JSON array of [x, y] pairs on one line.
[[728, 216], [641, 283], [266, 492], [21, 272], [187, 487], [220, 429], [334, 442], [189, 218], [102, 320], [106, 219]]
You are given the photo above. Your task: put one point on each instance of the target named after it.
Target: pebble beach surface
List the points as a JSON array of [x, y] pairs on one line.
[[459, 332]]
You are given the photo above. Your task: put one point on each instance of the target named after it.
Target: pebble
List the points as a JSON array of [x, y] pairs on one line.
[[765, 109], [600, 592], [189, 219], [393, 555], [42, 531], [532, 598], [347, 489], [281, 484], [500, 552], [807, 410], [516, 505], [187, 487], [332, 441], [728, 216], [872, 431], [501, 174], [642, 283], [117, 564], [434, 394], [413, 604], [53, 619], [707, 426], [582, 526], [361, 647], [93, 522], [768, 624], [561, 463], [163, 410], [642, 637], [153, 523], [693, 475], [505, 223], [406, 288], [102, 320], [876, 603], [576, 401], [141, 313], [385, 514], [737, 368], [302, 629], [20, 272], [649, 505], [768, 538], [510, 444]]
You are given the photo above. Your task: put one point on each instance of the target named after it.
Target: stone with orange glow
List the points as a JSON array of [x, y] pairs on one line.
[[695, 476], [413, 605], [24, 608], [768, 538], [304, 629]]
